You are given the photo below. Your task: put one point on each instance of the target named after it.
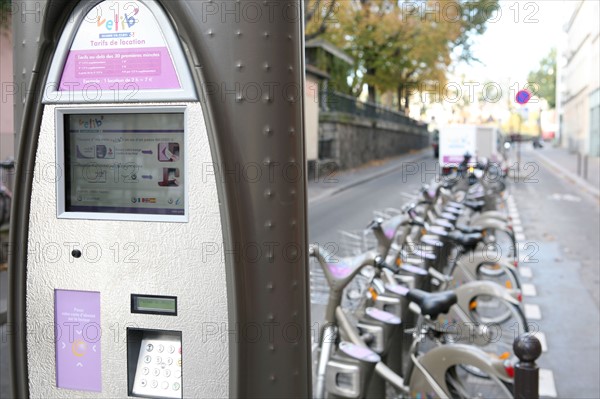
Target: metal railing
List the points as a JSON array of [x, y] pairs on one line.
[[333, 101]]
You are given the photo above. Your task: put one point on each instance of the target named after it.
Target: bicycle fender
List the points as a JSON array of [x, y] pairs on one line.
[[470, 262], [466, 292], [490, 223], [429, 375], [493, 214]]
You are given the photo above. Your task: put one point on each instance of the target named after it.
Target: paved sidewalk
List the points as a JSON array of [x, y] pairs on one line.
[[565, 163], [328, 184]]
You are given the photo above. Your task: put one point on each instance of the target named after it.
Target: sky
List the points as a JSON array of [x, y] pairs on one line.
[[517, 39]]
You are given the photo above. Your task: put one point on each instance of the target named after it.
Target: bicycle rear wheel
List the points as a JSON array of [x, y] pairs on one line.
[[504, 322], [464, 384]]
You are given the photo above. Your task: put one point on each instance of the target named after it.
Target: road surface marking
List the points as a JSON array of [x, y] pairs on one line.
[[533, 312], [547, 386], [528, 289], [542, 338], [525, 272]]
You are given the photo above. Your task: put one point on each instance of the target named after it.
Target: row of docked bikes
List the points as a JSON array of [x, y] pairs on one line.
[[429, 303]]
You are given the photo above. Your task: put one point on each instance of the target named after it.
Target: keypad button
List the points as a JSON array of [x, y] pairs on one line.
[[160, 348], [154, 383], [145, 370], [169, 361], [167, 373], [164, 385], [143, 383], [171, 349], [158, 359], [176, 386], [147, 359], [149, 347], [156, 372]]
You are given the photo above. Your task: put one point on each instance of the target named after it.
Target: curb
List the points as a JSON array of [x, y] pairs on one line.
[[569, 176], [413, 157]]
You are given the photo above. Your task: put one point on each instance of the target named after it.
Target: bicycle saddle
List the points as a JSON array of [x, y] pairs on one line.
[[432, 304], [465, 239], [475, 205], [463, 228]]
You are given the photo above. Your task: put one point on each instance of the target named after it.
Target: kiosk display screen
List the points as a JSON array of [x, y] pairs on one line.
[[125, 163]]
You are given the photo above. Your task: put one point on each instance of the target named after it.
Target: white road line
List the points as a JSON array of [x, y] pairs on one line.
[[547, 386], [525, 272], [542, 338], [528, 289], [533, 312]]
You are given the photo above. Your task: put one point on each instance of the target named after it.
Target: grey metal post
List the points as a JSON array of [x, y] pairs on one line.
[[578, 163], [527, 348], [585, 166]]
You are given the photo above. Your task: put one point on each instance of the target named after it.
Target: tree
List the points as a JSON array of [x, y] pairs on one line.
[[318, 14], [5, 10], [400, 45], [544, 79]]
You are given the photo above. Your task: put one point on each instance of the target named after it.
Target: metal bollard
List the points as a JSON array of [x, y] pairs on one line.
[[585, 167], [527, 348], [578, 163]]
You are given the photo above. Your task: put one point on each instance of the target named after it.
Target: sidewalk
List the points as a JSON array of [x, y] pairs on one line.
[[328, 184], [565, 163]]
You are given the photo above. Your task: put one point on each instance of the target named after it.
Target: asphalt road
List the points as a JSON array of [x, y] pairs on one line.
[[561, 224]]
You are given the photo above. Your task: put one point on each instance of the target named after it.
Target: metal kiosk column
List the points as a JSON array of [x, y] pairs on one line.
[[158, 233]]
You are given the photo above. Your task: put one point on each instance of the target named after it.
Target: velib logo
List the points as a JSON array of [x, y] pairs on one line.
[[121, 20], [91, 123]]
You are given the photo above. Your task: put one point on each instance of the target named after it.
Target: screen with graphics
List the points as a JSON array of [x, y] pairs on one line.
[[125, 163]]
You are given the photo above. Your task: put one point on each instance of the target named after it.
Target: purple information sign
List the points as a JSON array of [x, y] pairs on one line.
[[120, 46], [142, 68], [78, 354]]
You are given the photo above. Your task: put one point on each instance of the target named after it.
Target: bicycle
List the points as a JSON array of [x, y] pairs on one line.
[[345, 369]]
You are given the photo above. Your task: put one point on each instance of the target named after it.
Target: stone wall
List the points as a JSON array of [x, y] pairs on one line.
[[351, 141]]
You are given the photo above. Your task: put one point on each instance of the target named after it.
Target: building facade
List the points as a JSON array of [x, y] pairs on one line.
[[579, 80], [7, 135]]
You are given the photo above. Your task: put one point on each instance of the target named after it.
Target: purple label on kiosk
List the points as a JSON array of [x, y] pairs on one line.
[[78, 336]]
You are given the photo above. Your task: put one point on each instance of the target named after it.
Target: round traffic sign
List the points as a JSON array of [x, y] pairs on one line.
[[523, 96]]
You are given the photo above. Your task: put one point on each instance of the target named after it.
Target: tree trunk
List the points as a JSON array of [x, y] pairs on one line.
[[372, 89], [400, 96]]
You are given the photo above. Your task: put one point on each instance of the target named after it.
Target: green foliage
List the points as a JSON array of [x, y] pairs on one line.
[[338, 71], [544, 79], [399, 45], [5, 10]]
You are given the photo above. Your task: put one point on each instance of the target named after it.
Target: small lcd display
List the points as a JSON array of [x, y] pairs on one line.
[[125, 163], [154, 304]]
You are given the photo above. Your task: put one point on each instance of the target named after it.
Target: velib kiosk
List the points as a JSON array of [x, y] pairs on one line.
[[159, 223]]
